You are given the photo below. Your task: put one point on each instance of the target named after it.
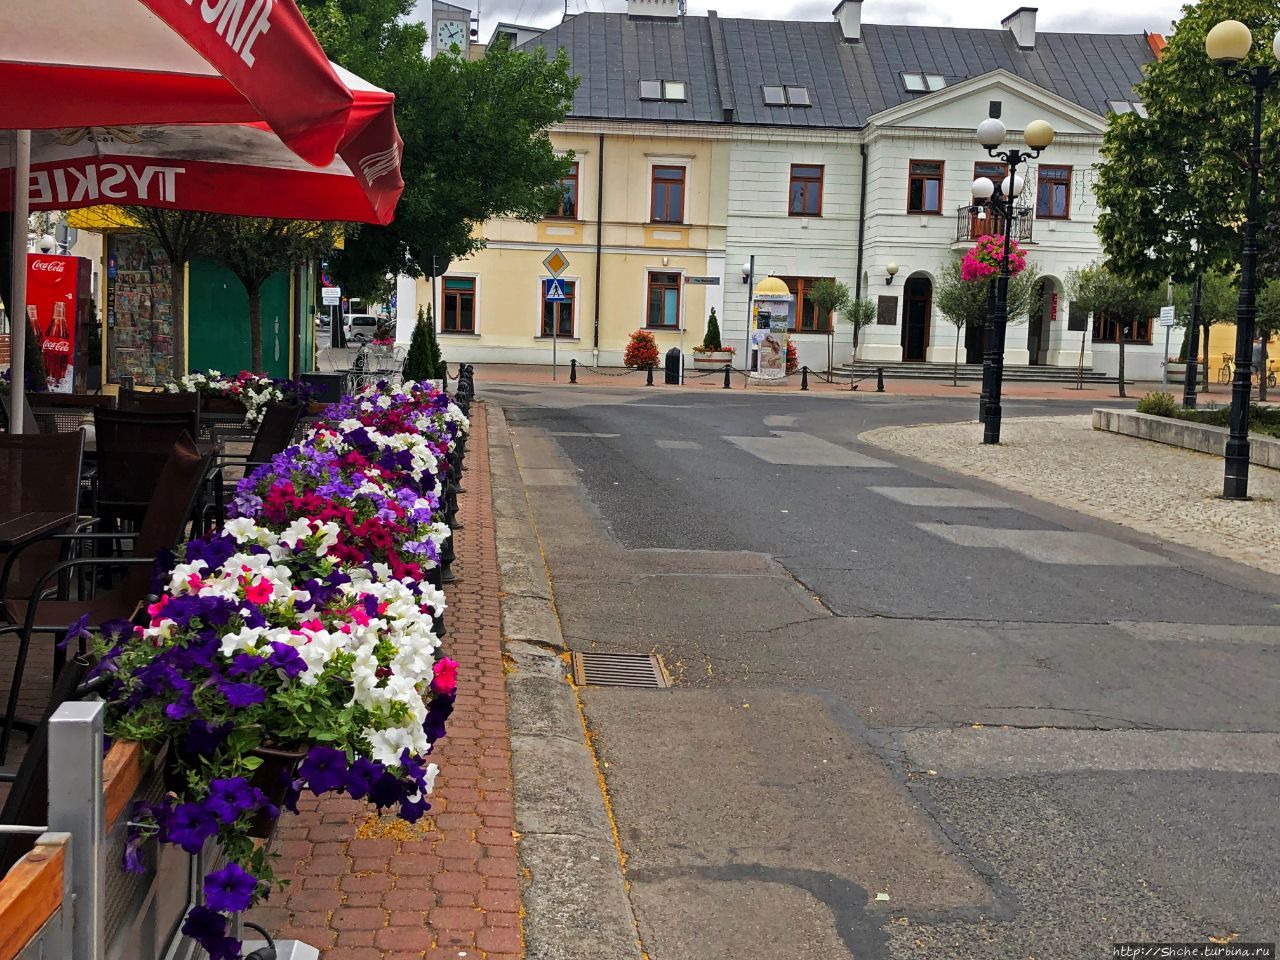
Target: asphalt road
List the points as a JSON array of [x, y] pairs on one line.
[[913, 715]]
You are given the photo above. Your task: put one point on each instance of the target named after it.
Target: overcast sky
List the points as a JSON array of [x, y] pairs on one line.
[[1119, 16]]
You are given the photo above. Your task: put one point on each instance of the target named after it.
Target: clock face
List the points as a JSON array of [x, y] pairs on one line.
[[450, 32]]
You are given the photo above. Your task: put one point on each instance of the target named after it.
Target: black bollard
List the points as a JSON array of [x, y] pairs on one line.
[[879, 379], [573, 371], [804, 378], [728, 371], [446, 561], [648, 379]]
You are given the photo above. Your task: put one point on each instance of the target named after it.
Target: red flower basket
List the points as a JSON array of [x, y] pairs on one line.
[[642, 351], [793, 359]]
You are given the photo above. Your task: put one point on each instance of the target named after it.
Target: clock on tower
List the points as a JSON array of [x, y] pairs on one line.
[[450, 33]]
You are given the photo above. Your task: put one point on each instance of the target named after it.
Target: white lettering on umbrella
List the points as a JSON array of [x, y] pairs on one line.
[[238, 30], [379, 164], [111, 180]]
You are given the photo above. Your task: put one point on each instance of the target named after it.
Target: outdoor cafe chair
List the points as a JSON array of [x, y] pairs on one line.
[[39, 474], [275, 432], [158, 402], [30, 422], [133, 447], [162, 527]]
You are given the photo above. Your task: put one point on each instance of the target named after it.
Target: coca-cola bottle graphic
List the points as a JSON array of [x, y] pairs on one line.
[[57, 344]]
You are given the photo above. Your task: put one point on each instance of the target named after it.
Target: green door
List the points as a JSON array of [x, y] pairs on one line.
[[218, 321]]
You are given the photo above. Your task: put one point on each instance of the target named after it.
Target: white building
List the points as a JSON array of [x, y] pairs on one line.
[[823, 149]]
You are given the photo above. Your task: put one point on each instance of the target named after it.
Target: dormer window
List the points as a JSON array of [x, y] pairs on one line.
[[923, 82], [785, 96], [670, 90]]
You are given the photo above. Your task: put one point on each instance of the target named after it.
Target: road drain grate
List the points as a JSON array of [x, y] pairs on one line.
[[619, 670]]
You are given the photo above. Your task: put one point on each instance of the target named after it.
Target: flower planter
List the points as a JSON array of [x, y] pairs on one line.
[[279, 767], [712, 360], [226, 405]]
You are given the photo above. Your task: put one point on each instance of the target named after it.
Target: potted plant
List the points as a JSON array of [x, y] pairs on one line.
[[711, 354], [642, 351]]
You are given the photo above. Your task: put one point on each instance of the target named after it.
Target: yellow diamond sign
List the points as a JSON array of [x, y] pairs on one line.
[[556, 262]]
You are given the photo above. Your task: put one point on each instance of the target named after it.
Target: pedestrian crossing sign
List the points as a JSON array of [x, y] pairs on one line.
[[555, 291]]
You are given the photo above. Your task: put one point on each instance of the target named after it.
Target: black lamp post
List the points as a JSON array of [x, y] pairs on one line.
[[1193, 347], [1038, 135], [984, 195], [1227, 44]]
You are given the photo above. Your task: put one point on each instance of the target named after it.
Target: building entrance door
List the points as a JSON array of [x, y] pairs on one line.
[[916, 318]]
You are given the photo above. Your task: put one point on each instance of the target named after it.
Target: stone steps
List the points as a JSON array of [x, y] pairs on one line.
[[970, 371]]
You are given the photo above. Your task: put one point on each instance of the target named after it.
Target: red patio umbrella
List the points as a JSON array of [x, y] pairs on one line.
[[242, 80]]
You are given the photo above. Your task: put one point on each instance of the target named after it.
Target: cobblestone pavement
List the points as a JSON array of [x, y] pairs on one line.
[[370, 888], [1151, 487]]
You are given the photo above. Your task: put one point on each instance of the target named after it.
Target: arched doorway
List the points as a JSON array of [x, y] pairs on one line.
[[917, 316], [1043, 312]]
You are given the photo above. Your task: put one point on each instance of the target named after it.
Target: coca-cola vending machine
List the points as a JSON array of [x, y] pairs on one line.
[[59, 310]]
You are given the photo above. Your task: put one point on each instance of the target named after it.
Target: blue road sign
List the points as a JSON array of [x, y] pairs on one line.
[[554, 291]]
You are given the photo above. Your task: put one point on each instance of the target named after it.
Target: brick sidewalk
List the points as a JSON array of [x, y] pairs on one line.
[[370, 888]]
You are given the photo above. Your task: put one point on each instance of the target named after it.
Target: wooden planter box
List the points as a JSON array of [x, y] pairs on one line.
[[714, 360], [225, 405]]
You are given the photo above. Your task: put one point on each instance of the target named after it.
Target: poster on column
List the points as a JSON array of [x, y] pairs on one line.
[[53, 294], [772, 314]]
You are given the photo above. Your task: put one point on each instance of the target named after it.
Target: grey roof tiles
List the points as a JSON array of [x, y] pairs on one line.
[[847, 82]]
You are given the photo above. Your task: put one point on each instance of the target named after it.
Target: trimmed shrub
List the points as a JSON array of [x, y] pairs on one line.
[[712, 339], [424, 361], [1159, 405]]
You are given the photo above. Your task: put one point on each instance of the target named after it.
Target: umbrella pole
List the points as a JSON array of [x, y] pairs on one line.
[[18, 288]]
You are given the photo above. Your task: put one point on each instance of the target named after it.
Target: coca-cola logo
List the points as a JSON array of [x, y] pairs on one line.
[[49, 266], [56, 346]]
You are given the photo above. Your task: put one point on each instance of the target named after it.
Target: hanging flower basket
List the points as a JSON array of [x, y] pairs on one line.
[[983, 260]]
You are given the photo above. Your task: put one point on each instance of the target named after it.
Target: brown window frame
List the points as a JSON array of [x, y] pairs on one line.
[[1108, 331], [650, 286], [571, 304], [799, 288], [456, 296], [570, 177], [653, 192], [912, 177], [1066, 207], [807, 185]]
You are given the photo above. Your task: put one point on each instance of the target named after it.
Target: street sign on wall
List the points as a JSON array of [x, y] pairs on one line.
[[703, 281], [331, 296]]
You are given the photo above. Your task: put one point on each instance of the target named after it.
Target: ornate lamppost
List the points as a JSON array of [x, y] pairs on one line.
[[1037, 136], [1227, 44], [983, 192]]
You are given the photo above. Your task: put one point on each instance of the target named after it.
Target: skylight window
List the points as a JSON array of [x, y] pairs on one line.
[[1119, 106], [798, 96], [672, 90], [786, 96], [1140, 109], [775, 97], [923, 82]]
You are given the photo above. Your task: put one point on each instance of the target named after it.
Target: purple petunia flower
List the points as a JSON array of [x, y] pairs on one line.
[[228, 798], [285, 658], [324, 769], [190, 826], [204, 926], [230, 889], [243, 664], [240, 695], [203, 740]]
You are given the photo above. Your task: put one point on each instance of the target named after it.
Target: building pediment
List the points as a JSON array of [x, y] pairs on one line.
[[962, 106]]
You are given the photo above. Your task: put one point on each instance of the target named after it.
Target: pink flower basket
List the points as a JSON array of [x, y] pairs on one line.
[[983, 260]]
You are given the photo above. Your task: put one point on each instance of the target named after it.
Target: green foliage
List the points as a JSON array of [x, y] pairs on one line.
[[1178, 177], [424, 361], [1267, 320], [711, 341], [254, 248], [860, 313], [475, 136], [964, 302], [1218, 294], [1158, 404], [1119, 298], [829, 296]]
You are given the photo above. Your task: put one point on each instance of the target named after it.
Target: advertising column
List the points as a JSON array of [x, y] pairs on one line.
[[53, 295], [771, 313]]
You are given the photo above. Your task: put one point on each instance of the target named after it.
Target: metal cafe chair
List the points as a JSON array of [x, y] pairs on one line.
[[162, 527], [132, 450], [165, 404], [30, 422], [275, 432], [38, 474]]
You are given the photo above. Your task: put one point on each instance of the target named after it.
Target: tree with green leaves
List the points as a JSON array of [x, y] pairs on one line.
[[1120, 299], [1267, 324], [711, 340], [964, 302], [255, 248], [424, 361], [1174, 184], [861, 313], [475, 136], [1218, 295], [828, 296]]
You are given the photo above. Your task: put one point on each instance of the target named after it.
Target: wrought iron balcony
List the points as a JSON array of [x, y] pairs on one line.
[[969, 226]]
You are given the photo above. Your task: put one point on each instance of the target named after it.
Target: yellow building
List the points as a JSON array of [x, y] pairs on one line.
[[642, 219]]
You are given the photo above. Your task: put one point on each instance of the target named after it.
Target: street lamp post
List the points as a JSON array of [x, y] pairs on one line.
[[1227, 44], [1193, 347], [983, 192], [1037, 136]]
